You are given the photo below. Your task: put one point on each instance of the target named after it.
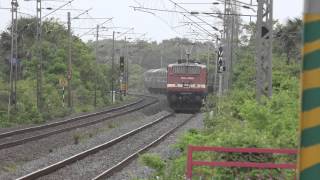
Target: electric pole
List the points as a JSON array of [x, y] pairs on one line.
[[264, 49], [13, 56], [215, 81], [39, 53], [161, 58], [126, 62], [112, 69], [208, 59], [96, 68], [231, 45], [127, 67], [69, 61]]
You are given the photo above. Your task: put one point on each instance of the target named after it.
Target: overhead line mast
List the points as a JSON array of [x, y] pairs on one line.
[[264, 49], [69, 76], [39, 54], [96, 67], [14, 56]]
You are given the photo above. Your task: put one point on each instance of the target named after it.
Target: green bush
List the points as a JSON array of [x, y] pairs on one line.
[[153, 161]]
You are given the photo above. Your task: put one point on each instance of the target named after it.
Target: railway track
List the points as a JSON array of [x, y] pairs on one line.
[[21, 136], [111, 144]]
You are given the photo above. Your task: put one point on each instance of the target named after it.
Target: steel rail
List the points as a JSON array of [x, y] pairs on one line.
[[37, 137], [40, 127], [54, 167], [124, 162]]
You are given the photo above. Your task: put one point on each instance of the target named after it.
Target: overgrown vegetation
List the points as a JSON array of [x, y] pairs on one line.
[[237, 120], [55, 58]]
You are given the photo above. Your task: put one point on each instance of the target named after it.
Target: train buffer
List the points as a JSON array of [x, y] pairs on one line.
[[233, 164]]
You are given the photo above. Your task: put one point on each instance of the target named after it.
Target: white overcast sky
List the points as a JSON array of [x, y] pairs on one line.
[[157, 27]]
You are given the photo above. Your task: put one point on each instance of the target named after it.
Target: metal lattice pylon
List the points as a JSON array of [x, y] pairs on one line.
[[230, 34], [264, 49]]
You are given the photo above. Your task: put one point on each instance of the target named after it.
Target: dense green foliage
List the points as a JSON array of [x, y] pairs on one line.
[[55, 57], [238, 120], [148, 54]]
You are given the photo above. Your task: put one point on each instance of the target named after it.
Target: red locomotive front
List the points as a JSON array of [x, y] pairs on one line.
[[186, 86]]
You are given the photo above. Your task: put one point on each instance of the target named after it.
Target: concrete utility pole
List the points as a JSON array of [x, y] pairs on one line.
[[309, 156], [39, 53], [112, 69], [264, 49], [161, 59], [232, 49], [69, 62], [127, 66], [13, 56], [126, 62], [208, 59], [96, 68]]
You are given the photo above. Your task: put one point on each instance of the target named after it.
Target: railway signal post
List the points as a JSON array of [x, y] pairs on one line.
[[122, 76], [309, 156], [220, 69]]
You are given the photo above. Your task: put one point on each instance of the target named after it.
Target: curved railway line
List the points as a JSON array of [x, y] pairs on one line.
[[21, 136], [104, 173]]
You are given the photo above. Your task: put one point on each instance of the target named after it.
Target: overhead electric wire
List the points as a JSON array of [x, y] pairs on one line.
[[174, 11], [60, 7], [86, 11], [194, 16], [121, 34], [164, 21], [95, 27], [154, 9]]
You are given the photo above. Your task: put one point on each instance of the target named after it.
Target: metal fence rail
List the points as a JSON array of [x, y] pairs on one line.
[[267, 165]]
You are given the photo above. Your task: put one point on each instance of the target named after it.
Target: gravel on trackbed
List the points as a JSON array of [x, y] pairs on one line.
[[23, 159], [93, 165], [135, 170], [70, 124]]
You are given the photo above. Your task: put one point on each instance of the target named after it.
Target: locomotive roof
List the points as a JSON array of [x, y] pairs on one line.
[[157, 70], [187, 64]]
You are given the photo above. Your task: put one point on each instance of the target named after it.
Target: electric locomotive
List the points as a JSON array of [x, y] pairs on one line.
[[186, 85]]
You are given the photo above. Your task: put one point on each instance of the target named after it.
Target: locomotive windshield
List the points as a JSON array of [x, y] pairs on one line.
[[186, 69]]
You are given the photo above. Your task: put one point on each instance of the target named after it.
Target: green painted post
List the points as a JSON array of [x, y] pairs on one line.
[[309, 152]]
